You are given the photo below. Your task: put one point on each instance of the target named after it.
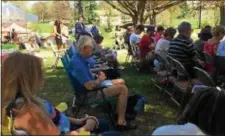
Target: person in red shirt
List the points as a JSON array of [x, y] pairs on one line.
[[159, 33], [211, 45], [147, 42], [146, 45]]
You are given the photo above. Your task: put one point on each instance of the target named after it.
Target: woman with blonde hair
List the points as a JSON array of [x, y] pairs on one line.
[[30, 114]]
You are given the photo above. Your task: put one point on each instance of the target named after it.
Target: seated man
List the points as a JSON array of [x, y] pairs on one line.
[[182, 49], [135, 38], [81, 71], [146, 45]]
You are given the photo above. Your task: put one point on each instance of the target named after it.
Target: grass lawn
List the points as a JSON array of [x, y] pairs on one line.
[[8, 46]]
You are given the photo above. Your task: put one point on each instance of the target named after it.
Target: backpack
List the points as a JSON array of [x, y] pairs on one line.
[[135, 105]]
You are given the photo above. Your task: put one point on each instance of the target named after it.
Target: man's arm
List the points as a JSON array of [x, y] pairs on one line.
[[92, 84]]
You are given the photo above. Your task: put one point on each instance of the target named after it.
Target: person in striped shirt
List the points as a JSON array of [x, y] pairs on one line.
[[182, 49]]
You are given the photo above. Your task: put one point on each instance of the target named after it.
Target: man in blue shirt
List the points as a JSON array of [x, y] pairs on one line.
[[80, 70]]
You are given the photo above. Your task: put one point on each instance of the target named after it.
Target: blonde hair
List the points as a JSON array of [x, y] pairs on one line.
[[217, 30], [21, 74]]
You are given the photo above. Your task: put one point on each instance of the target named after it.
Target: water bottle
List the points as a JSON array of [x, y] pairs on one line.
[[139, 107]]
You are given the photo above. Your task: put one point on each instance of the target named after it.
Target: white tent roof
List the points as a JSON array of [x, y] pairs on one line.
[[10, 13], [17, 28]]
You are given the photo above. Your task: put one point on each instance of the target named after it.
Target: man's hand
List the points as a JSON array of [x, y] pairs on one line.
[[101, 76]]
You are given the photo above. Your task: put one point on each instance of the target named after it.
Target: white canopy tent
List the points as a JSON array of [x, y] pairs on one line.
[[18, 28], [10, 13]]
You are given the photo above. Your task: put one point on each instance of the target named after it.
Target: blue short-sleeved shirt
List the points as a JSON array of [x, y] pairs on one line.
[[221, 49], [79, 67], [134, 39]]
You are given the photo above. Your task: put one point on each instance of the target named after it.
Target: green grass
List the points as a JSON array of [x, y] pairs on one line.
[[57, 89], [8, 46], [41, 27]]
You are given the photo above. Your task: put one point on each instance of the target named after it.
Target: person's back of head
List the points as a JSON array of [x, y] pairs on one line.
[[185, 29], [206, 110], [205, 34], [23, 76], [139, 29], [151, 30], [169, 33], [208, 27], [160, 28], [218, 32]]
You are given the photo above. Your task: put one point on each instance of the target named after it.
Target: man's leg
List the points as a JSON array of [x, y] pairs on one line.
[[118, 81], [122, 92]]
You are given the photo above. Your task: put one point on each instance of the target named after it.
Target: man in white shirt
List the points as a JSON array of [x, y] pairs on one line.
[[136, 36]]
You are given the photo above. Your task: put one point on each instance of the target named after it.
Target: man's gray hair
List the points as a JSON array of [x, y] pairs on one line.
[[84, 41], [184, 26]]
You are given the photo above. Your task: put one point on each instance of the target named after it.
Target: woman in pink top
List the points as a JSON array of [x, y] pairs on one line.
[[211, 45]]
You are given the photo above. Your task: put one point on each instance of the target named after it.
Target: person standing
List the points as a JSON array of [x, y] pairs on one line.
[[79, 28], [58, 34]]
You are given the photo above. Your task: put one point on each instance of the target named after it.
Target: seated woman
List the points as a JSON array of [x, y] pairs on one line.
[[204, 36], [211, 45], [30, 114], [203, 115]]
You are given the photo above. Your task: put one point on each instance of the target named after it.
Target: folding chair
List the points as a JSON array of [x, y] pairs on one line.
[[58, 54], [80, 94], [208, 58], [181, 85], [204, 77], [163, 72]]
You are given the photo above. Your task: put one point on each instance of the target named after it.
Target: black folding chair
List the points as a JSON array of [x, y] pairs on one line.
[[163, 72], [181, 85], [208, 58], [204, 77]]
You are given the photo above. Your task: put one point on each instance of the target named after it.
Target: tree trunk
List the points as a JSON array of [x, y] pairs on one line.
[[135, 20], [42, 16], [152, 19], [222, 15]]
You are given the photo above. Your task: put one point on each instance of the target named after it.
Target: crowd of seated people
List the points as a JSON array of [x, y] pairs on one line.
[[201, 110]]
